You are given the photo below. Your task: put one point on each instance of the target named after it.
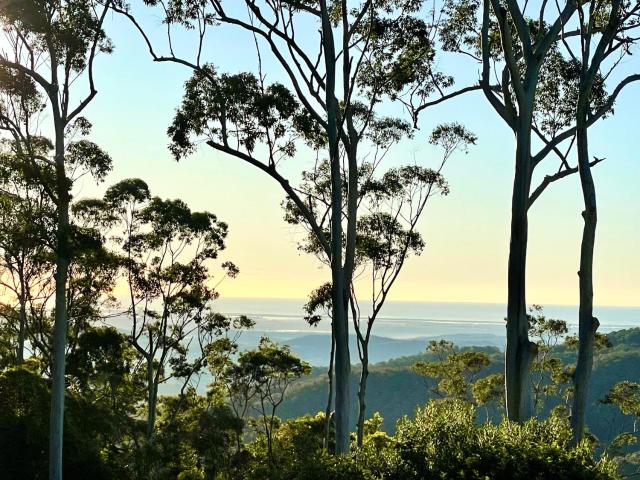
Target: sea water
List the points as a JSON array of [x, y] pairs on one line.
[[406, 320], [402, 328]]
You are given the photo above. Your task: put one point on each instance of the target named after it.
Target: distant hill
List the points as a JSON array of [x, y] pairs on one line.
[[394, 390], [315, 348]]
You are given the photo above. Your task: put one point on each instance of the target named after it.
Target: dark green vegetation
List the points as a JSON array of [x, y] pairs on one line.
[[441, 414], [441, 440], [396, 390], [80, 399]]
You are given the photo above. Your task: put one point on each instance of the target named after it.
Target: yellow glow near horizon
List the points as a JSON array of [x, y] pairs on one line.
[[467, 233]]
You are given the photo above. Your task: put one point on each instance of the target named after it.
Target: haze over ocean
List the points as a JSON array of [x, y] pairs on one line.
[[283, 319], [402, 329], [405, 320]]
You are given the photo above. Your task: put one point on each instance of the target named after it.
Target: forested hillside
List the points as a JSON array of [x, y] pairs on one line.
[[396, 390], [350, 153]]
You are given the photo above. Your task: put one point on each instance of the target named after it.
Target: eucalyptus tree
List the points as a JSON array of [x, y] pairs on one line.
[[392, 204], [27, 217], [534, 91], [261, 378], [360, 56], [607, 33], [27, 243], [166, 252], [497, 34], [454, 371], [49, 46]]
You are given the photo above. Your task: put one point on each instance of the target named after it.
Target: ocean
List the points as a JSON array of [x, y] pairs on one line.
[[406, 320], [402, 328]]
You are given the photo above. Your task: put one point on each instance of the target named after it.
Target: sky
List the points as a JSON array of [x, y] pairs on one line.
[[466, 233]]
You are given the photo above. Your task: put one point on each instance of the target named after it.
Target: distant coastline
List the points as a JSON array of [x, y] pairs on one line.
[[403, 328], [405, 320]]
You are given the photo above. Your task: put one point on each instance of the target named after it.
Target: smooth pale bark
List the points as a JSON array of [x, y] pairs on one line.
[[362, 392], [520, 352], [352, 190], [22, 319], [587, 323], [327, 410], [342, 375], [339, 294], [63, 254]]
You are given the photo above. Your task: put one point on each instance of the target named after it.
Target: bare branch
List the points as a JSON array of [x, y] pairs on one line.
[[549, 179], [284, 183]]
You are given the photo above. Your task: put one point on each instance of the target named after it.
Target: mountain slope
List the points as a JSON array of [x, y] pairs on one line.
[[394, 390], [314, 348]]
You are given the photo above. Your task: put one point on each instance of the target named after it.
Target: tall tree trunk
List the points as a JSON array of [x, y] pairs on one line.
[[339, 293], [268, 432], [63, 255], [362, 391], [152, 399], [351, 151], [588, 324], [327, 410], [22, 327], [342, 376], [520, 352]]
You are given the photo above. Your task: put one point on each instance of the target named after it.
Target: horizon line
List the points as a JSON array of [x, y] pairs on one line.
[[464, 302]]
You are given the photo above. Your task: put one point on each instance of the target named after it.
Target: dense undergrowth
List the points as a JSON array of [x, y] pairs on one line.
[[444, 440]]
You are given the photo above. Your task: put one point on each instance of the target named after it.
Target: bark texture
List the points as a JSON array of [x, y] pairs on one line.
[[61, 321]]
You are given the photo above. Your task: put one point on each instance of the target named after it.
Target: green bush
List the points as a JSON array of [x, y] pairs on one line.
[[443, 441], [24, 432]]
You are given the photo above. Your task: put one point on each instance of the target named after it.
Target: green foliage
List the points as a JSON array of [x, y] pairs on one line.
[[394, 200], [550, 376], [402, 52], [239, 112], [444, 441], [258, 381], [68, 28], [298, 454], [83, 155], [394, 390], [455, 371], [319, 300], [489, 389], [24, 430], [196, 438], [102, 369], [626, 396]]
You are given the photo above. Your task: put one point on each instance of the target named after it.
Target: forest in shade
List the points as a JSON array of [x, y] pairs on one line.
[[82, 397]]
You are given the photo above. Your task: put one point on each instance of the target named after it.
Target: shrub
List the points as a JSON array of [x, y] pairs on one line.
[[443, 441], [24, 431]]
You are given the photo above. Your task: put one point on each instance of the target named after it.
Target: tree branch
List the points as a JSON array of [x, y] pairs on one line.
[[549, 179], [92, 56], [284, 183]]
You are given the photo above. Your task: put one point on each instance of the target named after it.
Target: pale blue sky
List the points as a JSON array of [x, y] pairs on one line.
[[466, 233]]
